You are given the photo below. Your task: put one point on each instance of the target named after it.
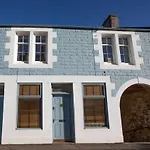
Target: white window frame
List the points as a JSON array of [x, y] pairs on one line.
[[30, 97], [12, 57], [22, 43], [40, 34], [104, 97], [130, 49], [112, 45], [136, 61]]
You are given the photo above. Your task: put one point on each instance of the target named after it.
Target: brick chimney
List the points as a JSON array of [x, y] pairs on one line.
[[111, 21]]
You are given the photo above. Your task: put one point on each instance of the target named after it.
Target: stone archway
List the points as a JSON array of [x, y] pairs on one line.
[[135, 113]]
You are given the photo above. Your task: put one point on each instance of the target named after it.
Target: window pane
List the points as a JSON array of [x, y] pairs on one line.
[[121, 49], [38, 48], [25, 89], [43, 48], [109, 48], [126, 57], [20, 39], [124, 54], [1, 89], [122, 58], [26, 39], [34, 89], [104, 41], [37, 38], [43, 39], [125, 41], [29, 90], [19, 57], [104, 49], [94, 111], [93, 90], [25, 57], [26, 48], [37, 57], [22, 119], [34, 119], [43, 57], [109, 55], [89, 90], [22, 113], [22, 52], [29, 113], [20, 48], [109, 41], [126, 50], [20, 89], [121, 41], [105, 58], [98, 90]]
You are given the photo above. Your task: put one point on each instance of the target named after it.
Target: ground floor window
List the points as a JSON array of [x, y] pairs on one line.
[[29, 106], [95, 110]]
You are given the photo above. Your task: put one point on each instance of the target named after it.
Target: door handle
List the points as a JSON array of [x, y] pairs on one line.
[[61, 120]]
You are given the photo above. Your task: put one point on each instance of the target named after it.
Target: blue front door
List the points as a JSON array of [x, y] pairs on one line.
[[62, 117]]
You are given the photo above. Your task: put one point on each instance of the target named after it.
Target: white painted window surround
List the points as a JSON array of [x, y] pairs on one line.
[[12, 46], [136, 61]]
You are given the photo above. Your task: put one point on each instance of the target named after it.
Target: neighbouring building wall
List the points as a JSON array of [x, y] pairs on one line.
[[135, 111]]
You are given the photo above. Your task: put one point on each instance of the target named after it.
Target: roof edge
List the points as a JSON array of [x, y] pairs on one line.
[[138, 29]]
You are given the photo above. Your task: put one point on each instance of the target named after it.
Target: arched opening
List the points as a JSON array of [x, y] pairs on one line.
[[135, 113]]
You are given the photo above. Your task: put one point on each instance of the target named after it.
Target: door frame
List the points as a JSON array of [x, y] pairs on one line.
[[72, 126]]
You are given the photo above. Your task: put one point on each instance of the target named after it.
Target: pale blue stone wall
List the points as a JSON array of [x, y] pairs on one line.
[[76, 56]]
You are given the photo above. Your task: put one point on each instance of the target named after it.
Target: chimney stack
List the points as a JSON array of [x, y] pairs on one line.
[[111, 21]]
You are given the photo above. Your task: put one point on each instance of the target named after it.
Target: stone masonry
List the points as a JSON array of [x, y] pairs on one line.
[[75, 56]]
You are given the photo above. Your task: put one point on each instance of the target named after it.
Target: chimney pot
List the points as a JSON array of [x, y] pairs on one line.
[[111, 21]]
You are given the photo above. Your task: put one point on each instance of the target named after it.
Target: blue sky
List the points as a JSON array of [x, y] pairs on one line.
[[74, 12]]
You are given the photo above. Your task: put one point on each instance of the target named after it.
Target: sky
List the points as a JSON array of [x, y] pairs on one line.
[[131, 13]]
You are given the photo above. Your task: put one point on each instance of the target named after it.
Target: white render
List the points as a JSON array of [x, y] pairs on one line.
[[12, 135]]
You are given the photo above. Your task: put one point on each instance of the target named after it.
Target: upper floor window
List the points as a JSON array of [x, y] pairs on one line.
[[119, 49], [31, 48], [124, 50], [107, 49], [41, 48], [23, 48]]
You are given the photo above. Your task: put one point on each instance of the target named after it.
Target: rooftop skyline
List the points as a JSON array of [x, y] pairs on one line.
[[74, 12]]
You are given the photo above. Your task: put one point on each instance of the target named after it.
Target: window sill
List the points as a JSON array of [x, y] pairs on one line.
[[29, 129], [128, 64], [100, 127], [106, 65], [32, 65]]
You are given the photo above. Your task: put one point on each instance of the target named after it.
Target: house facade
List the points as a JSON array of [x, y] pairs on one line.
[[66, 83]]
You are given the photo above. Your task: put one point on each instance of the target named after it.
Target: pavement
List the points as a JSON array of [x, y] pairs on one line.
[[71, 146]]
